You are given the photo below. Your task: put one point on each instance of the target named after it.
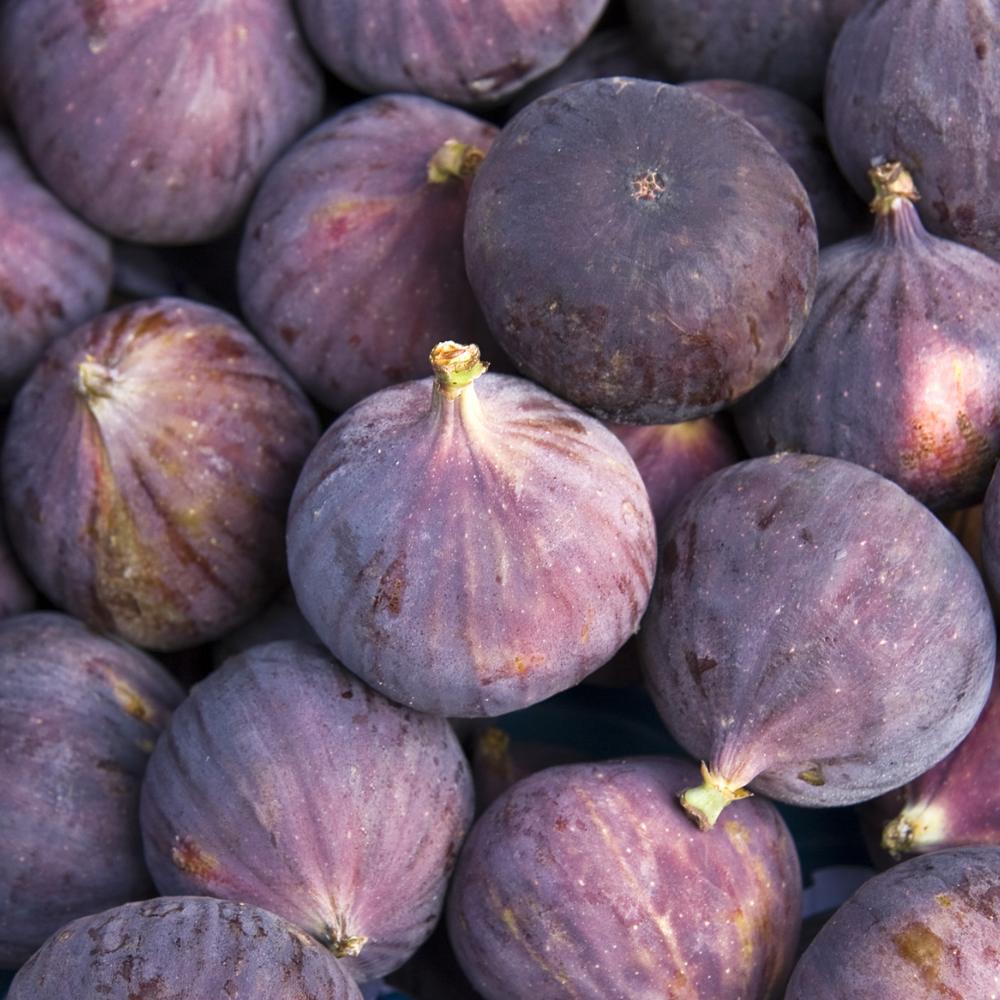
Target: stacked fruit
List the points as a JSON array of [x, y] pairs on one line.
[[376, 374]]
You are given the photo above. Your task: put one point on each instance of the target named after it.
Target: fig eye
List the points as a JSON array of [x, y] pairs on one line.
[[648, 185]]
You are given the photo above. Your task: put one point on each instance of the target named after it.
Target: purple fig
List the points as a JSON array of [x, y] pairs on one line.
[[918, 81], [587, 881], [814, 634], [927, 928], [79, 714], [182, 948], [55, 270], [146, 472], [285, 781], [639, 250], [351, 267], [898, 367], [156, 121], [470, 547], [446, 49]]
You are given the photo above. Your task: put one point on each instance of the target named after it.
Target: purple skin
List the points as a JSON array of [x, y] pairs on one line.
[[919, 81], [352, 202], [155, 122], [586, 222], [17, 593], [989, 527], [783, 44], [79, 714], [182, 948], [55, 270], [926, 929], [472, 556], [953, 804], [446, 49], [898, 367], [587, 881], [334, 807], [797, 132], [147, 468], [814, 633]]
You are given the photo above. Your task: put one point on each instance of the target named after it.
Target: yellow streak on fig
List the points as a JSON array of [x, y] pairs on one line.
[[130, 701]]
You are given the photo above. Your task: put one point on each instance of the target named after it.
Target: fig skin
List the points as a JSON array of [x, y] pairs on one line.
[[352, 201], [470, 556], [155, 122], [919, 81], [79, 714], [446, 49], [926, 928], [814, 634], [285, 781], [55, 270], [146, 472], [898, 367], [587, 881], [585, 224], [182, 948]]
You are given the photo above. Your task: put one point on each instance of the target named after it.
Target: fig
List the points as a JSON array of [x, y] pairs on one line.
[[55, 270], [925, 928], [286, 782], [79, 714], [814, 634], [898, 367], [469, 543], [155, 122], [918, 81], [446, 49], [182, 948], [587, 881], [373, 200], [147, 468], [639, 250]]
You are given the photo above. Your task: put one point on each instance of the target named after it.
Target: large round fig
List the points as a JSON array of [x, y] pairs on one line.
[[285, 781], [919, 81], [182, 948], [351, 267], [447, 49], [587, 881], [639, 250], [898, 367], [55, 270], [156, 121], [146, 472], [470, 548], [79, 714], [814, 633], [926, 929]]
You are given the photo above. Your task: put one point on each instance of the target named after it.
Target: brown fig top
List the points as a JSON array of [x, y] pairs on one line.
[[455, 367], [892, 183], [454, 159]]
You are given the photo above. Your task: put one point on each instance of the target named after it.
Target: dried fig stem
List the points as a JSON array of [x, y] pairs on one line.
[[454, 159], [455, 367], [892, 184], [93, 379], [704, 803]]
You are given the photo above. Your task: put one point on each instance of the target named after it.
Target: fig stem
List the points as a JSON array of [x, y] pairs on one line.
[[892, 184], [93, 379], [704, 803], [455, 367], [454, 160]]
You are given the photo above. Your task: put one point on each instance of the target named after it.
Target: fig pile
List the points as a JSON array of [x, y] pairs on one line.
[[480, 491]]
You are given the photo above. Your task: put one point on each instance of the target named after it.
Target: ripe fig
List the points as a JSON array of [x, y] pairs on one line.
[[587, 881], [286, 782], [182, 948], [55, 270], [919, 81], [351, 266], [470, 547], [814, 634], [898, 367], [146, 472], [639, 250], [927, 928], [446, 49], [79, 714], [156, 121]]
